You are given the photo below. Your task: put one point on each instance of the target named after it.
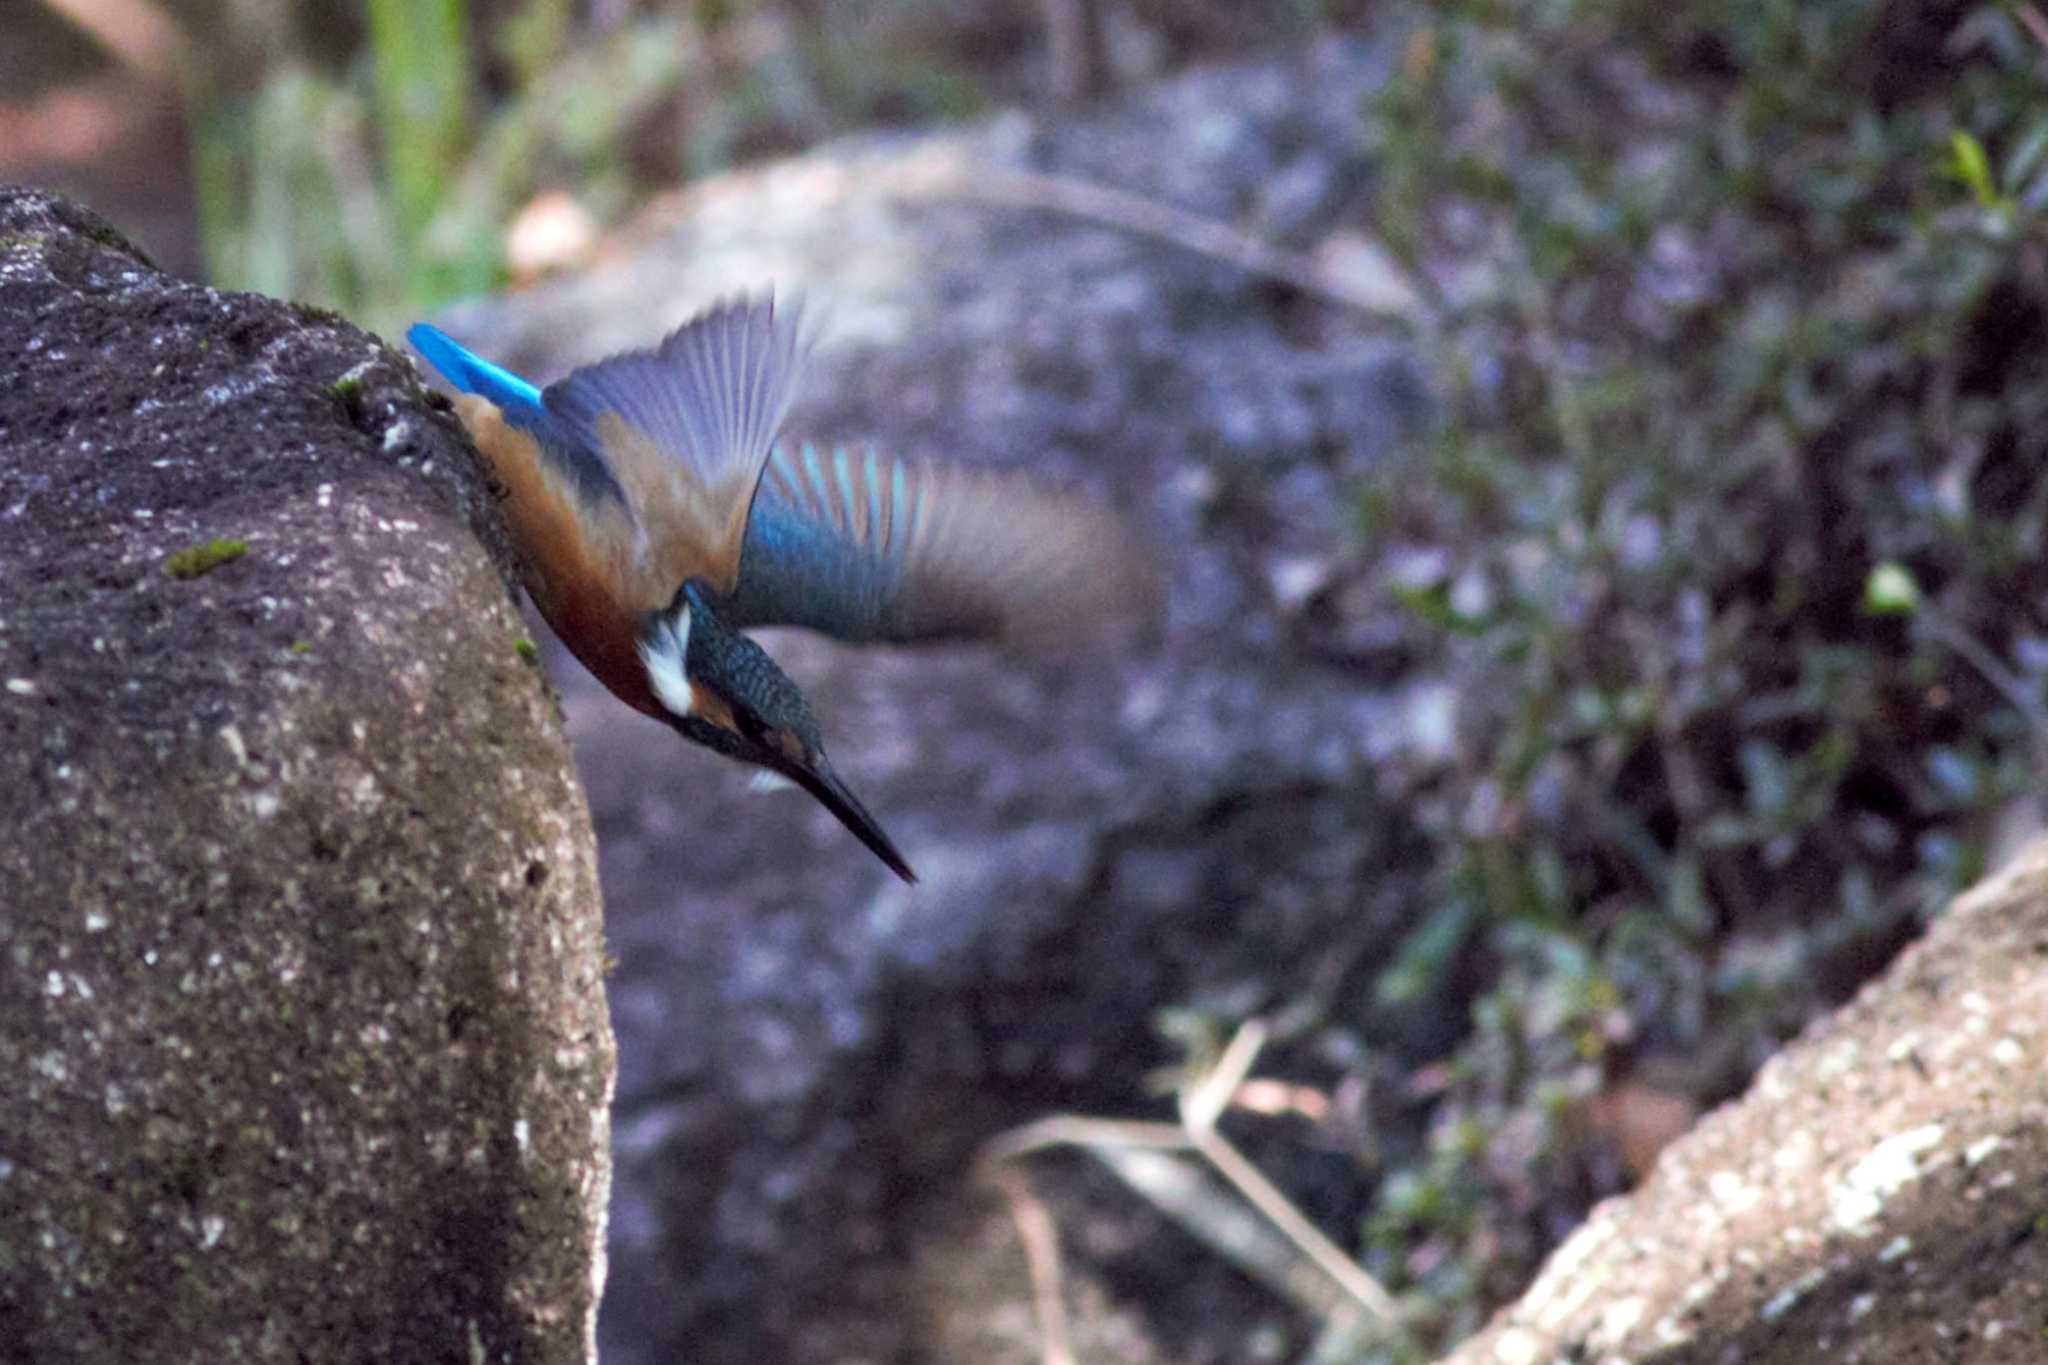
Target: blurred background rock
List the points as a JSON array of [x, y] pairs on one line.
[[1597, 452]]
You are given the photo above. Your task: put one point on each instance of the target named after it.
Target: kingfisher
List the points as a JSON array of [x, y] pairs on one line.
[[658, 516]]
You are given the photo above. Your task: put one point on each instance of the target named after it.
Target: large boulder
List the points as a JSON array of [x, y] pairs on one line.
[[1876, 1196], [300, 951]]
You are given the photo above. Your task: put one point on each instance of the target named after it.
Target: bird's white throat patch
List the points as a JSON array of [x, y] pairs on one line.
[[665, 653]]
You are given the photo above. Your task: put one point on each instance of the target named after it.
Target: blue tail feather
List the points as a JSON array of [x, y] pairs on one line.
[[523, 408], [471, 373]]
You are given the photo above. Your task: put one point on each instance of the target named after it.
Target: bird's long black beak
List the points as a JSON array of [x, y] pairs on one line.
[[824, 784]]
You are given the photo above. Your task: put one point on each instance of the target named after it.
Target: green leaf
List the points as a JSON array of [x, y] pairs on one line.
[[1426, 954], [1891, 590], [1432, 605], [1968, 163]]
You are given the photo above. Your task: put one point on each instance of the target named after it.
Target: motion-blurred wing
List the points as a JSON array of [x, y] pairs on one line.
[[867, 548], [686, 427]]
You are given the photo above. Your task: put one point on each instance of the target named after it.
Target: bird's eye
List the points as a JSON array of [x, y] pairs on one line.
[[749, 723]]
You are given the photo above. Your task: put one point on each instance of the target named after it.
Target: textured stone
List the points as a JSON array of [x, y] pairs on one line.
[[301, 1007], [1875, 1197]]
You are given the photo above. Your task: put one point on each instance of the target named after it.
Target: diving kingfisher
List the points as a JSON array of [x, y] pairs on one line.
[[658, 517]]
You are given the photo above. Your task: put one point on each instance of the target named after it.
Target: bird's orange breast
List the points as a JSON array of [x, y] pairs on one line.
[[582, 562]]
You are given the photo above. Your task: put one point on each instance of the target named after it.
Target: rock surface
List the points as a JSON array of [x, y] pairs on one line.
[[300, 958], [809, 1051], [1876, 1197]]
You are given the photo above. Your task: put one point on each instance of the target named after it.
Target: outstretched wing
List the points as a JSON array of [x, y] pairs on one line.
[[868, 548], [686, 427]]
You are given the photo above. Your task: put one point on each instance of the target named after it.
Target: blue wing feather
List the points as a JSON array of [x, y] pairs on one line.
[[868, 548], [521, 403], [711, 396], [803, 563]]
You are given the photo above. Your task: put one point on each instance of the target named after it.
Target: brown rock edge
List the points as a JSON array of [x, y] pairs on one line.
[[1879, 1195]]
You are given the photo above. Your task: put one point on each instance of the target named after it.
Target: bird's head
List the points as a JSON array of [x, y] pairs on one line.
[[720, 689]]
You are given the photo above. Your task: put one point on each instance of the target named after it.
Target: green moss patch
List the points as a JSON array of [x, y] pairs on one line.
[[195, 560]]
